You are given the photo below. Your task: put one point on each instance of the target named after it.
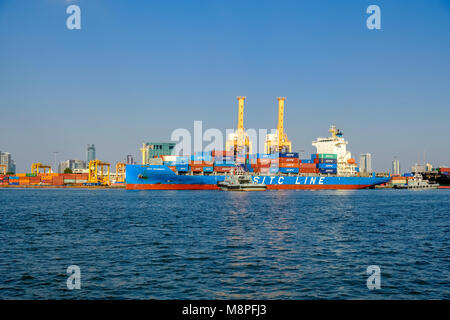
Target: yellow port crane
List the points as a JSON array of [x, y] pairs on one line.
[[279, 141], [35, 168], [239, 141], [120, 172], [97, 172]]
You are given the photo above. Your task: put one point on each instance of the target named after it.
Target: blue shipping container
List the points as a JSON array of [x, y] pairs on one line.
[[327, 166], [288, 155], [223, 158], [288, 170], [307, 161], [328, 171], [224, 164], [408, 175], [313, 155], [321, 160], [204, 153], [208, 169], [182, 168], [267, 155]]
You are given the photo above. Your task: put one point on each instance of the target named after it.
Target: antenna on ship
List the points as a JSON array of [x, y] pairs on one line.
[[333, 131]]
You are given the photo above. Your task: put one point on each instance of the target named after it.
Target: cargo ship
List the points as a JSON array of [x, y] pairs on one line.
[[332, 167]]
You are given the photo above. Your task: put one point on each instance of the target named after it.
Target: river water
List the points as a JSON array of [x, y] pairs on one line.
[[224, 245]]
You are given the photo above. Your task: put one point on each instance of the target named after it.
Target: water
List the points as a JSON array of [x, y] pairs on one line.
[[224, 245]]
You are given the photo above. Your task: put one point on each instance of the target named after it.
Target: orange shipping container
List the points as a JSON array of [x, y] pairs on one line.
[[288, 160], [196, 168], [288, 165], [307, 165]]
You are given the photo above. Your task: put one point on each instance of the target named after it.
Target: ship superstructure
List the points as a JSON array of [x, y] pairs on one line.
[[336, 144]]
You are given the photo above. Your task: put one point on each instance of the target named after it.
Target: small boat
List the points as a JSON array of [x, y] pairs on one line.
[[417, 182], [240, 182]]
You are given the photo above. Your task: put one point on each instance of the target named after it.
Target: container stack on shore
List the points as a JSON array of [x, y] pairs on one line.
[[49, 179]]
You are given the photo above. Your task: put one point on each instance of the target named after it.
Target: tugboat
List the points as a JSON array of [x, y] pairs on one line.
[[418, 183], [240, 181]]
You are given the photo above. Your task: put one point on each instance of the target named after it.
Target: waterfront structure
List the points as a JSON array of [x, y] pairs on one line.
[[396, 167], [365, 163], [74, 165], [90, 153], [155, 149]]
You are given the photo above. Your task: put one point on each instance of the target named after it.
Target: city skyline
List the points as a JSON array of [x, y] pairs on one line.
[[150, 68]]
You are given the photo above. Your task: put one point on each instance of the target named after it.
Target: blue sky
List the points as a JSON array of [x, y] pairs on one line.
[[137, 70]]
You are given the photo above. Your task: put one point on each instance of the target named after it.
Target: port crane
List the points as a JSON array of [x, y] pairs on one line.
[[239, 141], [120, 172], [36, 167], [279, 141], [97, 172]]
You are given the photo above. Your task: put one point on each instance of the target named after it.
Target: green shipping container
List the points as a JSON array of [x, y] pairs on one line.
[[327, 156], [31, 174], [69, 180]]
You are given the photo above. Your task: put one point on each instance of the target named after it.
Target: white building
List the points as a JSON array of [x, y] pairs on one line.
[[72, 165], [365, 163], [5, 159], [396, 167]]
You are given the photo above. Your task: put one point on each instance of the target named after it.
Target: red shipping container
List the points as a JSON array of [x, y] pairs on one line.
[[58, 181], [195, 163], [316, 160], [444, 169], [208, 163]]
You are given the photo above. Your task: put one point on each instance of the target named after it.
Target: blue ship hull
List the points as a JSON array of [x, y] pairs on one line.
[[162, 178]]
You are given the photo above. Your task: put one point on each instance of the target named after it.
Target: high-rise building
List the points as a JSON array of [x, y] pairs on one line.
[[90, 153], [365, 163], [71, 164], [130, 159], [5, 159], [396, 167]]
